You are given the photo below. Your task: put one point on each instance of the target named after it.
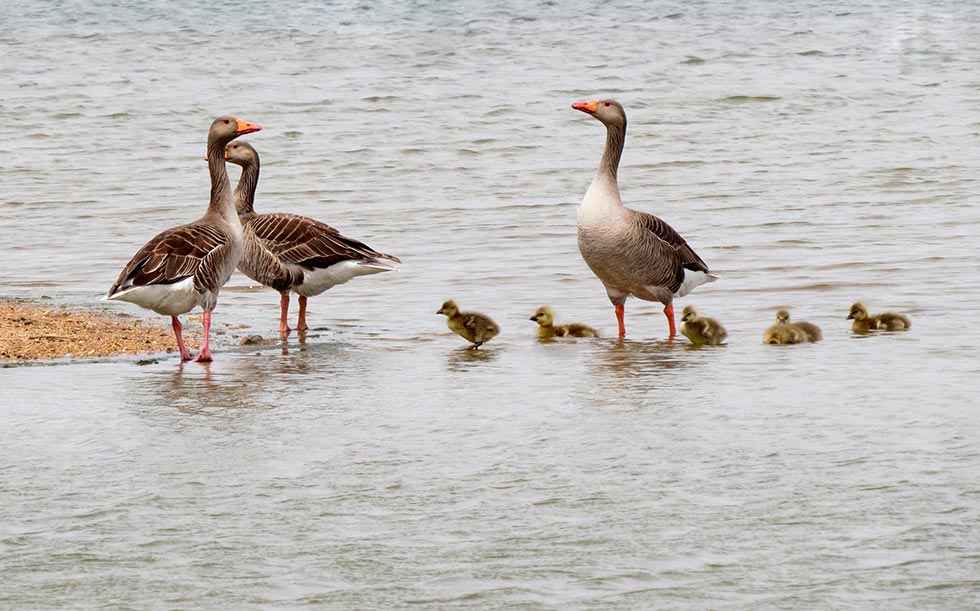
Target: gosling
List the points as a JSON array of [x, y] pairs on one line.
[[782, 332], [701, 330], [810, 330], [475, 328], [886, 321], [547, 329]]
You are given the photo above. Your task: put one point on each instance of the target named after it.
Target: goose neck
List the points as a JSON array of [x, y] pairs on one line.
[[611, 155], [221, 203], [245, 191]]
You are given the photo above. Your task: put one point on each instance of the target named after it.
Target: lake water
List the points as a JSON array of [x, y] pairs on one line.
[[813, 153]]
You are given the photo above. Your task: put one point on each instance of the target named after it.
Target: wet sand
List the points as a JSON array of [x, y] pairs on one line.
[[34, 331]]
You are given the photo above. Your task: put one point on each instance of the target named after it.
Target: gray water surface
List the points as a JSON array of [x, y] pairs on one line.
[[812, 153]]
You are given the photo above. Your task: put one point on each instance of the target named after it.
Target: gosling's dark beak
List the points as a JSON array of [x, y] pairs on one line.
[[534, 318], [850, 316]]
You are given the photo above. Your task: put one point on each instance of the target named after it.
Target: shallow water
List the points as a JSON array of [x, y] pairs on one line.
[[813, 155]]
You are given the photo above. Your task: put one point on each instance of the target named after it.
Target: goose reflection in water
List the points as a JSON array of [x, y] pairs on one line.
[[638, 362], [205, 391], [247, 380]]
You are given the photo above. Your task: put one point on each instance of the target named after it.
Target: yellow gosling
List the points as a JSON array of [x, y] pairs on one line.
[[547, 329], [886, 321], [475, 328], [782, 332], [701, 330]]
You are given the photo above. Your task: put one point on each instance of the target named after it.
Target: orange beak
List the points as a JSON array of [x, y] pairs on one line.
[[244, 127], [590, 107]]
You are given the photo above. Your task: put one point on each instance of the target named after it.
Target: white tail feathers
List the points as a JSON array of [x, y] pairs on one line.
[[384, 265], [693, 280]]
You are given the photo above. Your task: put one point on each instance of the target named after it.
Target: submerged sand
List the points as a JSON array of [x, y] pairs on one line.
[[33, 331]]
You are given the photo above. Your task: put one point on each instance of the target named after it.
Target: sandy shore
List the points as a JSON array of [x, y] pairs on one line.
[[32, 331]]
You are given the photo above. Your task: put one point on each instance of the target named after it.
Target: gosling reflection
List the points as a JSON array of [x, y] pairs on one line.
[[465, 359]]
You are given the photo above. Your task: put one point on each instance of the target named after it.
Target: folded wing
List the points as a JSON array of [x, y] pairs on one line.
[[309, 243], [171, 256]]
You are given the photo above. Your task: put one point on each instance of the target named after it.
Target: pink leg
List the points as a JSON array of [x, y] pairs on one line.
[[185, 354], [621, 319], [204, 356], [669, 312], [283, 311], [301, 323]]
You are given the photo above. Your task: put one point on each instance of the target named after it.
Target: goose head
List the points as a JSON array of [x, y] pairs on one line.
[[858, 312], [544, 316], [689, 313], [782, 316], [609, 112], [241, 153], [448, 308], [227, 128]]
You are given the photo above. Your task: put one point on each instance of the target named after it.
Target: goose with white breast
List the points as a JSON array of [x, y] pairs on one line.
[[633, 253]]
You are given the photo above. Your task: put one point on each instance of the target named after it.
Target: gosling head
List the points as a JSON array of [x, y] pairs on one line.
[[858, 312], [241, 153], [544, 316], [689, 313], [782, 316], [449, 308], [609, 112]]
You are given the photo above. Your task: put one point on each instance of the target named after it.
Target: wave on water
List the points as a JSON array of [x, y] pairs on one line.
[[748, 99]]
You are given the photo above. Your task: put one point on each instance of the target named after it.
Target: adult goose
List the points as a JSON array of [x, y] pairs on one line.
[[288, 252], [632, 253], [186, 266]]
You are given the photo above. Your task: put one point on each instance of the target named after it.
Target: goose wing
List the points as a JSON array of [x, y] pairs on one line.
[[309, 243], [172, 256], [663, 232]]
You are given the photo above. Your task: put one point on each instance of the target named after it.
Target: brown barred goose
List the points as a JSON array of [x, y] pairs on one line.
[[288, 252], [632, 253], [186, 266]]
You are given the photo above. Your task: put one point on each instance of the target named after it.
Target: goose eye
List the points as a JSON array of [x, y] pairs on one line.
[[607, 104]]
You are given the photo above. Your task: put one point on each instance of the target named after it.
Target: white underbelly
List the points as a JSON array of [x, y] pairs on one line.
[[319, 280], [168, 299]]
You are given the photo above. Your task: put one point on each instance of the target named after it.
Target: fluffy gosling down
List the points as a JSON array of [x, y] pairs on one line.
[[547, 329], [785, 332], [475, 328], [886, 321], [701, 330], [811, 331]]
